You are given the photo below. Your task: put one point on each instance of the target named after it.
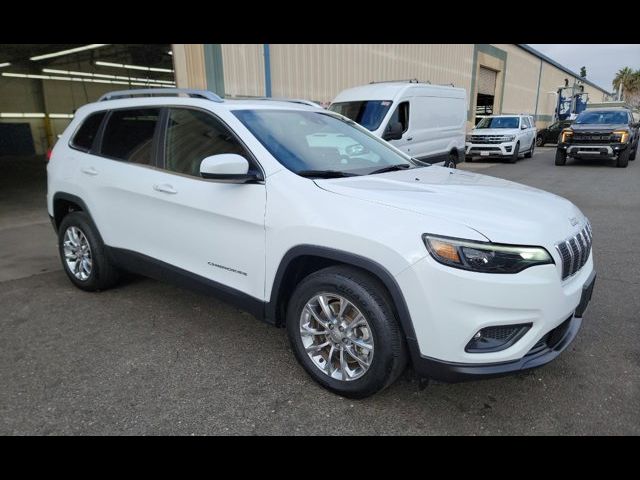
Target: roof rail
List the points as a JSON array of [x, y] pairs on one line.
[[290, 100], [409, 80], [166, 92]]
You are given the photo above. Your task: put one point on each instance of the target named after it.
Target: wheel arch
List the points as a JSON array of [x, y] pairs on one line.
[[65, 203], [303, 260]]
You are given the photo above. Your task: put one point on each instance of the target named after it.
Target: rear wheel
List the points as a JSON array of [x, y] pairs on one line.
[[452, 161], [83, 254], [623, 159], [561, 157], [343, 332], [529, 154], [516, 152]]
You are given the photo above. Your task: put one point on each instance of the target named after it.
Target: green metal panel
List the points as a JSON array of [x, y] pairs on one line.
[[214, 68]]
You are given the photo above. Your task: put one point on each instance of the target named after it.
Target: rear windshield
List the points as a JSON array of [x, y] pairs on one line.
[[602, 117], [499, 122], [369, 113]]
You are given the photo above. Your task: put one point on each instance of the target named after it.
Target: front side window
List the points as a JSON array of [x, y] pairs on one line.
[[87, 133], [305, 142], [369, 113], [499, 122], [128, 135], [193, 135], [401, 115]]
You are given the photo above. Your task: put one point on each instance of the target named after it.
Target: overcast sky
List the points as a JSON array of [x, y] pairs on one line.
[[602, 60]]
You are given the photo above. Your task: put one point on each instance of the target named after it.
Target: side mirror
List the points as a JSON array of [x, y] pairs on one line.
[[227, 167], [393, 132], [523, 127]]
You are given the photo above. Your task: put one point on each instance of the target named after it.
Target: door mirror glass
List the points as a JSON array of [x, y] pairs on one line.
[[226, 167], [523, 127], [393, 132]]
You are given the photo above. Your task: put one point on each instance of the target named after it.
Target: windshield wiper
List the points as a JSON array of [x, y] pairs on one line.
[[391, 168], [325, 174]]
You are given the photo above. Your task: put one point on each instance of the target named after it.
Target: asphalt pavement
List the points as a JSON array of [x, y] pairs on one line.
[[150, 358]]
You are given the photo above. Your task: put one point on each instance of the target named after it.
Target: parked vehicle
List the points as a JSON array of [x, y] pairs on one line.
[[427, 122], [370, 259], [608, 133], [506, 136], [551, 133]]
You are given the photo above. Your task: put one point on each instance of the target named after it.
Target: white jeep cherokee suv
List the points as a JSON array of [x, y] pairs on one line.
[[310, 222], [506, 136]]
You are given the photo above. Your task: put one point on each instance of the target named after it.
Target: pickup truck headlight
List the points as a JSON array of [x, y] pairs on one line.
[[621, 136], [566, 135], [484, 256]]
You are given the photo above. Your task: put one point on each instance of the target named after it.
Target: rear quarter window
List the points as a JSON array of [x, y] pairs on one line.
[[88, 131]]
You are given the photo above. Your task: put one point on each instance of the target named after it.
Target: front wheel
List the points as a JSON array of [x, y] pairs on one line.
[[343, 332], [623, 159], [539, 141], [561, 157], [514, 156], [634, 154]]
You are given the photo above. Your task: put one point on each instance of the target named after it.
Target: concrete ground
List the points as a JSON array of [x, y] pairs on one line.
[[150, 358]]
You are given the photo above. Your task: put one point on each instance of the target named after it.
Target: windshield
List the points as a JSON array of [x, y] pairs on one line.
[[369, 114], [499, 122], [305, 141], [602, 117]]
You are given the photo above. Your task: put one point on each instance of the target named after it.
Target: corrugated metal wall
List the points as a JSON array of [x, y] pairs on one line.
[[320, 71], [521, 80]]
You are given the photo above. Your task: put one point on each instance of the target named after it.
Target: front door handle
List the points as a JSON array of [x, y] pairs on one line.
[[165, 188], [409, 139], [89, 171]]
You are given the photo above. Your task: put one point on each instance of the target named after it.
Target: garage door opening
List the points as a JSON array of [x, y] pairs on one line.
[[486, 93]]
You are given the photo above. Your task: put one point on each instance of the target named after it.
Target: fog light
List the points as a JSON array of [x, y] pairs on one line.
[[508, 149], [494, 339]]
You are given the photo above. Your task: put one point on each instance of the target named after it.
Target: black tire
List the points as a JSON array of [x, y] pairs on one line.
[[452, 161], [516, 152], [529, 154], [468, 158], [369, 296], [561, 157], [103, 274], [623, 159], [539, 141], [634, 154]]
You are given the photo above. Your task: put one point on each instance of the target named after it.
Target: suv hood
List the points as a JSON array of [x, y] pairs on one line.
[[503, 211], [495, 131]]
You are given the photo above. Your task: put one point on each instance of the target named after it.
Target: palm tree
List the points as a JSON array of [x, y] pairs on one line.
[[624, 81]]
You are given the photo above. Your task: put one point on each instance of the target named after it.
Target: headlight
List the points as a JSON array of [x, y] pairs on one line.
[[508, 138], [468, 138], [484, 256], [566, 135], [622, 136]]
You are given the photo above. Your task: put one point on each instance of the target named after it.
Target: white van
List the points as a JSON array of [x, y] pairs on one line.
[[425, 121]]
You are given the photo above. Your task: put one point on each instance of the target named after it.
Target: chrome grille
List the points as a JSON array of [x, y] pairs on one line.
[[575, 251], [487, 139]]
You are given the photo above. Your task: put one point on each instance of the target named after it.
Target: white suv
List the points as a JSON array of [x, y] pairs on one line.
[[506, 136], [309, 221]]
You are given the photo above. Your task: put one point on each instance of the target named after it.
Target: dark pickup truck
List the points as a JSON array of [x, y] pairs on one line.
[[604, 133]]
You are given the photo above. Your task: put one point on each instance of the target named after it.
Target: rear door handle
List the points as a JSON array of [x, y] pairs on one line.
[[165, 188], [89, 171]]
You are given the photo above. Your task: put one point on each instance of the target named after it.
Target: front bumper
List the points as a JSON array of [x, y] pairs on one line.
[[448, 306], [489, 149], [585, 150]]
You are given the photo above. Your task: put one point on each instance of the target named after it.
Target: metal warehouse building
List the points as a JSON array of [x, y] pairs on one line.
[[42, 85], [498, 78]]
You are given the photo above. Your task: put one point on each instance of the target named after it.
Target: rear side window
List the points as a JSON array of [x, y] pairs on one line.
[[88, 131], [192, 136], [128, 135]]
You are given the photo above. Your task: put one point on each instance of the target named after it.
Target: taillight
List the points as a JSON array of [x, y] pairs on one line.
[[49, 150]]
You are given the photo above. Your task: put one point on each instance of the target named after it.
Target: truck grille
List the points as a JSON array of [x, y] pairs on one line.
[[591, 138], [487, 139], [575, 251]]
